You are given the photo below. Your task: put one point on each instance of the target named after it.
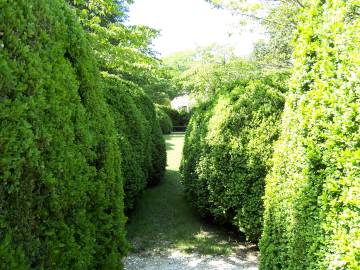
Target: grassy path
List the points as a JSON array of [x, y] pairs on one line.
[[164, 223]]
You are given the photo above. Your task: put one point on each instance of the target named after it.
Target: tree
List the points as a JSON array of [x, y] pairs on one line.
[[122, 50], [278, 18], [204, 71]]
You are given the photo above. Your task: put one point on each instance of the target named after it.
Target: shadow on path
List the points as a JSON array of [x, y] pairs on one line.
[[164, 222]]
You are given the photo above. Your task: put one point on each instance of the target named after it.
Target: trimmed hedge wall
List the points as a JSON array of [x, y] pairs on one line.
[[61, 189], [157, 147], [178, 118], [165, 122], [133, 138], [312, 201], [194, 146], [139, 138], [226, 155]]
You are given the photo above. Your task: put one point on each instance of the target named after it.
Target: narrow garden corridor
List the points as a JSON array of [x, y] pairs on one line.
[[165, 233], [96, 172]]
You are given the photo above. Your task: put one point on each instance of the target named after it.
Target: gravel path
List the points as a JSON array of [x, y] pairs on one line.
[[176, 260], [166, 235]]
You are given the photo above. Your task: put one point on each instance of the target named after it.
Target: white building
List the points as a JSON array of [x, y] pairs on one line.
[[184, 102]]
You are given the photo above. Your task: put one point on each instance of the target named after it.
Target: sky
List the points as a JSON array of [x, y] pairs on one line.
[[187, 24]]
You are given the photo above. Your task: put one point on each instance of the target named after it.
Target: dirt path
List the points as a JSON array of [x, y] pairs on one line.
[[166, 234]]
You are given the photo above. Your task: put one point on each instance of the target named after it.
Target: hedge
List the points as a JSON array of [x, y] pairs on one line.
[[312, 200], [165, 122], [61, 189], [178, 118], [157, 162], [195, 144], [134, 138], [139, 137], [226, 155]]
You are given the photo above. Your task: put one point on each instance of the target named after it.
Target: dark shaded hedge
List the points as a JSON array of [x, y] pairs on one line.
[[226, 154], [157, 147], [165, 122], [134, 138], [139, 138], [312, 201], [178, 118], [61, 189]]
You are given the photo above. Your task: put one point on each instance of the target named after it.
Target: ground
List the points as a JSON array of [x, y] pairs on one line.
[[167, 234]]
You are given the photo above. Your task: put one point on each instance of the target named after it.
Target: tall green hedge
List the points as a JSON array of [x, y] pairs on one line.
[[178, 118], [139, 137], [194, 146], [61, 189], [157, 162], [312, 201], [134, 138], [226, 155], [165, 122]]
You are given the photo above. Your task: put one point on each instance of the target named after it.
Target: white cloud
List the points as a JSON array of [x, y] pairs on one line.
[[186, 24]]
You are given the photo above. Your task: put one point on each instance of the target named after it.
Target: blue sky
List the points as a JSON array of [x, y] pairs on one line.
[[186, 24]]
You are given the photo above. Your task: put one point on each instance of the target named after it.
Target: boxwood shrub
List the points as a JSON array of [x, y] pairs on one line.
[[134, 138], [178, 118], [312, 200], [157, 162], [195, 144], [61, 189], [139, 137], [165, 122], [226, 156]]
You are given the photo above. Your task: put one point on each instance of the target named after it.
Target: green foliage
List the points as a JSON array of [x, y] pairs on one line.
[[226, 156], [12, 257], [164, 120], [61, 196], [195, 144], [158, 160], [139, 137], [163, 219], [124, 50], [133, 138], [157, 147], [178, 118], [275, 52], [312, 197], [205, 70], [182, 117], [127, 62], [99, 13], [278, 20]]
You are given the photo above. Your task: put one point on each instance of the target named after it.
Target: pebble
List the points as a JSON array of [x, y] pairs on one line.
[[176, 260]]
